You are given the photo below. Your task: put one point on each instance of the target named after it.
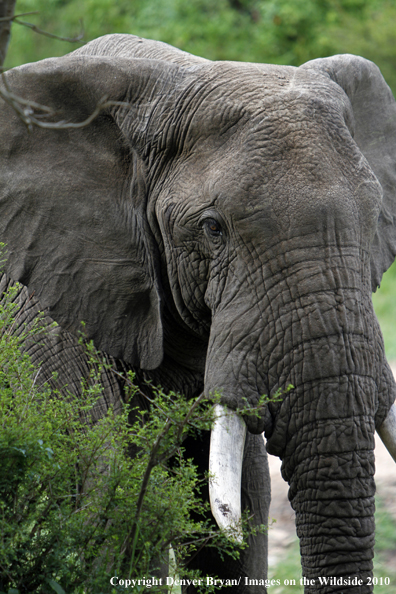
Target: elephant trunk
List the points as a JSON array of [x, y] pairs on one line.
[[336, 534], [329, 465]]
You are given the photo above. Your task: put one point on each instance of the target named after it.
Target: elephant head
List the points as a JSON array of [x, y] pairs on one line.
[[233, 219]]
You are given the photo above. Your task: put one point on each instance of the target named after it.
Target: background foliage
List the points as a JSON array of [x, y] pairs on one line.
[[75, 508], [274, 31]]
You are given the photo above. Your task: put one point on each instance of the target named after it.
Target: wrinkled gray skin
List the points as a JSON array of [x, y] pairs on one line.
[[224, 231]]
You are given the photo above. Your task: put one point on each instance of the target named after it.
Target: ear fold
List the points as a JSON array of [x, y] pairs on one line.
[[374, 110], [73, 202], [132, 46]]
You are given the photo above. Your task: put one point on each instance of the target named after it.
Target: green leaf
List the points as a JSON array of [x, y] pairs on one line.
[[55, 586]]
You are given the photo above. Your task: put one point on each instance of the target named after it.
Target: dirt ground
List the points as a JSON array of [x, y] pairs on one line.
[[283, 533]]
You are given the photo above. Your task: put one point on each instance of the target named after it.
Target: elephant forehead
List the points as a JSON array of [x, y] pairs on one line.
[[263, 128], [275, 151], [220, 93], [295, 154], [291, 163], [209, 106]]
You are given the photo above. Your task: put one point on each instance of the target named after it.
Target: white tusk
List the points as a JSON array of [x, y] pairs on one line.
[[227, 442], [387, 432]]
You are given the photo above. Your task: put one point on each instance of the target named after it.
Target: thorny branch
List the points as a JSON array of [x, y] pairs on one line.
[[152, 401], [130, 538]]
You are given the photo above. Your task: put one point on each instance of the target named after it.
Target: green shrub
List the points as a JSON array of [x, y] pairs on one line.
[[75, 508]]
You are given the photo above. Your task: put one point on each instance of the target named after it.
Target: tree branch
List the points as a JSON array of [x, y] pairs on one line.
[[130, 538], [7, 16], [45, 33], [16, 16]]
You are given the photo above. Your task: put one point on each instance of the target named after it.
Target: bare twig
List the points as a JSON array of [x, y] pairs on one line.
[[35, 380], [15, 19], [36, 29], [27, 110], [16, 16]]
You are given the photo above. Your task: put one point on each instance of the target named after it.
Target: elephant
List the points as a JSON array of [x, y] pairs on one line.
[[222, 226]]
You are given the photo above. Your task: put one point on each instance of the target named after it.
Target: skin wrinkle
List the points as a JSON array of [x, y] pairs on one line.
[[302, 449], [257, 303], [54, 348], [187, 106], [302, 433], [256, 258], [276, 289], [285, 271], [183, 277], [310, 532]]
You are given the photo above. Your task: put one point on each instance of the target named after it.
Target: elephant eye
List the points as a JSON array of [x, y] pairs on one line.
[[212, 227]]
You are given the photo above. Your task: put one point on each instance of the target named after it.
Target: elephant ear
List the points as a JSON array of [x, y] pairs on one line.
[[131, 46], [73, 202], [374, 110]]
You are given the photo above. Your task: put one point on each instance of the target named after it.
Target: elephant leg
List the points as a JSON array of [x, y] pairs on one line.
[[249, 572]]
